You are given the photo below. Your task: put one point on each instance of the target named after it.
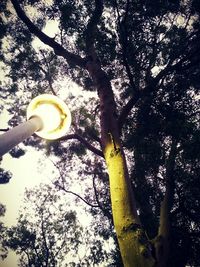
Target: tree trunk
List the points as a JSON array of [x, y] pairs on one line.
[[134, 246], [162, 241]]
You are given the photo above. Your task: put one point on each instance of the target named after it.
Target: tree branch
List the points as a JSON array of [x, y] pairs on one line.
[[28, 257], [127, 108], [84, 142], [92, 27], [179, 65], [59, 50], [62, 187], [45, 241], [131, 103], [75, 194], [4, 130], [124, 42], [47, 74], [105, 211], [163, 239], [168, 198]]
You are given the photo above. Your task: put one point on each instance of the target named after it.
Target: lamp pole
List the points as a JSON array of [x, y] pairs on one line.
[[19, 133], [48, 117]]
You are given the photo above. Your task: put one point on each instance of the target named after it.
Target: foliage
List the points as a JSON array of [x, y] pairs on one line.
[[3, 249], [54, 236], [5, 176], [150, 54]]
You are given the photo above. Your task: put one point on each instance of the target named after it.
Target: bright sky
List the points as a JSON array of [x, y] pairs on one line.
[[26, 174]]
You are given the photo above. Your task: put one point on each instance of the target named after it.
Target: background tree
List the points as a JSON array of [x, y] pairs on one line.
[[3, 249], [53, 236], [145, 55]]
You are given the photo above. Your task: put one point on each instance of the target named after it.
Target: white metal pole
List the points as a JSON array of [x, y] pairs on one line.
[[19, 133]]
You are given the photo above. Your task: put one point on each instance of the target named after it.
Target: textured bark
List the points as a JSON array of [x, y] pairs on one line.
[[134, 246]]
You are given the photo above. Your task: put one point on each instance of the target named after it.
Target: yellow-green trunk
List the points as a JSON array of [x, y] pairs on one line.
[[132, 240]]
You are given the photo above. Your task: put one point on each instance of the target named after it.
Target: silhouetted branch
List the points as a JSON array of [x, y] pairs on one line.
[[47, 74], [124, 42], [75, 194], [126, 109], [58, 49], [44, 239], [184, 60], [105, 212], [84, 142], [4, 130]]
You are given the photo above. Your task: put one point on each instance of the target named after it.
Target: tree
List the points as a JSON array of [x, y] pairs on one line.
[[48, 233], [5, 176], [3, 250], [115, 49]]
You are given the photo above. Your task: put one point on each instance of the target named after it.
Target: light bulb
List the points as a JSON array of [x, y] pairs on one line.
[[54, 113], [50, 115]]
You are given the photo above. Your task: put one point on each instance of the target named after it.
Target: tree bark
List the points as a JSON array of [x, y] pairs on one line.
[[133, 243], [162, 241]]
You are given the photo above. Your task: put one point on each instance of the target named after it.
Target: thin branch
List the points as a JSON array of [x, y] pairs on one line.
[[124, 42], [61, 174], [4, 130], [105, 212], [61, 246], [179, 65], [59, 50], [75, 194], [132, 102], [48, 74], [44, 239], [188, 20], [48, 78], [68, 191], [36, 252], [167, 31], [28, 257], [126, 109], [84, 142], [155, 50]]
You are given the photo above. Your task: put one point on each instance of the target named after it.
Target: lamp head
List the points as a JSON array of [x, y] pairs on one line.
[[54, 113]]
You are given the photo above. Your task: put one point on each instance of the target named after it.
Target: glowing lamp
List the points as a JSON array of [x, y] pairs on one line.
[[54, 114], [47, 116]]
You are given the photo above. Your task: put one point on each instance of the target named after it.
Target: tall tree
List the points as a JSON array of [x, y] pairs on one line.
[[145, 55]]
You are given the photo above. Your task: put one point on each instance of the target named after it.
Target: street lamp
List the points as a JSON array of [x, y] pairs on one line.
[[47, 116]]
